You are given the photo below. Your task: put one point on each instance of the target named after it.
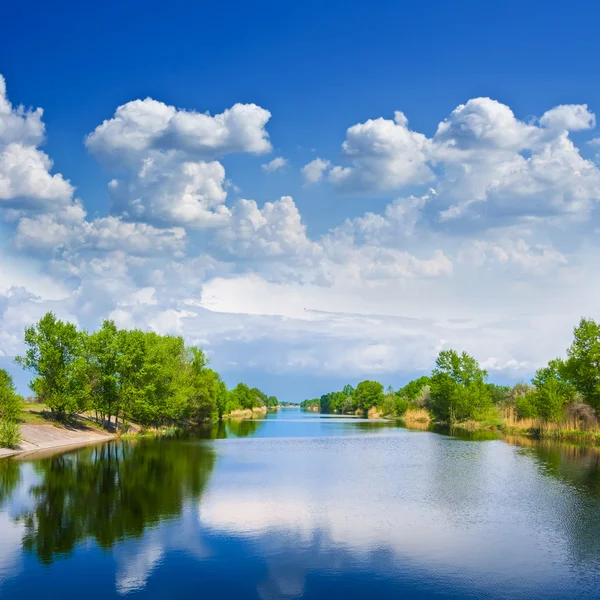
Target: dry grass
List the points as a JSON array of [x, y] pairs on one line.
[[417, 415], [575, 427]]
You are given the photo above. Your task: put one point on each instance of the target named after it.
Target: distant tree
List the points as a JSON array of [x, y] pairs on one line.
[[458, 390], [367, 394], [413, 388], [553, 391], [242, 396], [500, 394]]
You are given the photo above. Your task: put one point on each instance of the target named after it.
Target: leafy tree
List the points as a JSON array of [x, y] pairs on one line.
[[54, 354], [553, 391], [583, 363], [208, 398], [500, 394], [348, 390], [135, 375], [11, 404], [367, 394], [413, 388], [242, 397], [458, 390], [103, 356]]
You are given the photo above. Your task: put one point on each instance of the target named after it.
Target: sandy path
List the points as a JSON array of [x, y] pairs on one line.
[[44, 437]]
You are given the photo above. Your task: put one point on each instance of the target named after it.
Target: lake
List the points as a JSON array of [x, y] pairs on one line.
[[299, 505]]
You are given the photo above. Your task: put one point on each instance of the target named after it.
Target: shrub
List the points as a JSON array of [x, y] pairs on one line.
[[526, 405], [10, 434], [581, 415], [401, 406]]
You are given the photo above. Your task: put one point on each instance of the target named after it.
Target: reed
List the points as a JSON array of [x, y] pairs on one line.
[[417, 415]]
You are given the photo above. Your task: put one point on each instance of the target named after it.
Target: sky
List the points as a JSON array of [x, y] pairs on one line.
[[314, 194]]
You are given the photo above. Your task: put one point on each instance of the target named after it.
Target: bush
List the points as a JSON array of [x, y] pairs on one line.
[[11, 404], [388, 406], [401, 406], [581, 415], [526, 405], [423, 398], [10, 434]]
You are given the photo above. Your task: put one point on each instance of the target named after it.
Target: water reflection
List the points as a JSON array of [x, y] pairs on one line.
[[110, 492], [10, 477], [348, 509]]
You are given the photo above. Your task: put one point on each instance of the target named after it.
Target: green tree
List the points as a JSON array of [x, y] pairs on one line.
[[11, 404], [458, 390], [103, 358], [242, 397], [553, 391], [54, 354], [367, 394], [583, 363], [208, 392], [413, 388]]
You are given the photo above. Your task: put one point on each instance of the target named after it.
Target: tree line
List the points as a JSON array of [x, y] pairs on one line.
[[567, 389], [131, 375]]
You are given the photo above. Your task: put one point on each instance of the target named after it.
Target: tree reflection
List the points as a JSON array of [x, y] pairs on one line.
[[578, 466], [111, 492], [230, 428], [10, 477]]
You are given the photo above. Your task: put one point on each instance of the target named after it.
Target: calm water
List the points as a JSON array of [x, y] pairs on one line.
[[299, 506]]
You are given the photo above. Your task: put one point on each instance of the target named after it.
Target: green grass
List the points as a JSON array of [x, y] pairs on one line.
[[35, 414]]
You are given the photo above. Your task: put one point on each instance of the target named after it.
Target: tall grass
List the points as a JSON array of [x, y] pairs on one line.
[[578, 425], [416, 415], [10, 434]]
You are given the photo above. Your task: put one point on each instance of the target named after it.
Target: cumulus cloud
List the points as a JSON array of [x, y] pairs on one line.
[[490, 249], [276, 163], [572, 117], [25, 178], [170, 191], [144, 125], [313, 172], [483, 162], [384, 154], [171, 176], [276, 229]]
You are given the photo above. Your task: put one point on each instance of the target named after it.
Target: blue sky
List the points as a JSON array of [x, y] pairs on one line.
[[361, 272]]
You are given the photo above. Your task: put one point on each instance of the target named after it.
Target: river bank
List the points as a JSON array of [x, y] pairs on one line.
[[50, 436], [38, 434]]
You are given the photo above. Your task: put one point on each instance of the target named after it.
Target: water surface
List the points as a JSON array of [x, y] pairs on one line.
[[303, 506]]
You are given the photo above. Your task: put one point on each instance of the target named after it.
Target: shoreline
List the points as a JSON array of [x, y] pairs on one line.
[[38, 438]]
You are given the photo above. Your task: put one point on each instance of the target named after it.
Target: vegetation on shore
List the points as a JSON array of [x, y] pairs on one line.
[[119, 377], [10, 410], [561, 402]]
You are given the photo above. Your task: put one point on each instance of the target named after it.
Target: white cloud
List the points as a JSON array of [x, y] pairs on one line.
[[384, 154], [274, 230], [165, 151], [484, 163], [496, 255], [144, 125], [25, 177], [17, 124], [277, 163], [533, 258], [313, 172], [571, 117], [167, 190]]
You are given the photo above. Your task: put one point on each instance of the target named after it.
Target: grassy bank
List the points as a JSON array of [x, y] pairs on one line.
[[508, 425]]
